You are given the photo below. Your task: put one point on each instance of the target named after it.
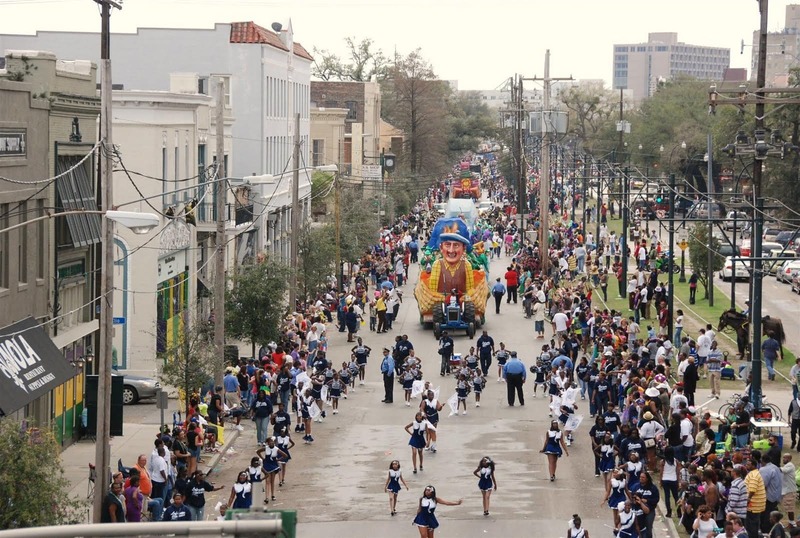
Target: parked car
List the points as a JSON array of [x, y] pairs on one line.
[[725, 249], [787, 271], [735, 216], [770, 233], [137, 388], [772, 267], [734, 269], [700, 210], [787, 237]]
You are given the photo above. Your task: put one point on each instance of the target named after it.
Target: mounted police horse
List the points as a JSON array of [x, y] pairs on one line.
[[740, 323]]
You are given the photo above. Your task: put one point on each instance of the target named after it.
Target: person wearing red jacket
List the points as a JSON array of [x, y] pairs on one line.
[[512, 283]]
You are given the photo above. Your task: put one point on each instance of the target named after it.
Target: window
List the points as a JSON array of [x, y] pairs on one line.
[[351, 110], [318, 152], [202, 85], [226, 81], [22, 247]]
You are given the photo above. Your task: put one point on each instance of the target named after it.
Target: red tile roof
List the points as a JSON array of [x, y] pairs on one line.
[[250, 32]]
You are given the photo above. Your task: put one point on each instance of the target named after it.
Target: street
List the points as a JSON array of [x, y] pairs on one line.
[[340, 478]]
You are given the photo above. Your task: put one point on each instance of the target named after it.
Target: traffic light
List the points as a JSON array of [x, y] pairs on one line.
[[660, 196]]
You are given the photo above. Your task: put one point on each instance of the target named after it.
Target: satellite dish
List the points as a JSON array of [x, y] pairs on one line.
[[277, 27]]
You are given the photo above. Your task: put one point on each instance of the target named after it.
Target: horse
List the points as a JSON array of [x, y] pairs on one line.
[[741, 324]]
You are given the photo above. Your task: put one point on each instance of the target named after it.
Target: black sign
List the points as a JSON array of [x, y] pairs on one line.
[[30, 365], [13, 142]]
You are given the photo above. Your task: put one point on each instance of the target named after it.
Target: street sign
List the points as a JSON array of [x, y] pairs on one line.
[[119, 321], [683, 245], [371, 171]]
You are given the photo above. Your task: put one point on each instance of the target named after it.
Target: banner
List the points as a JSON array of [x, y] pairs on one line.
[[452, 402], [573, 422], [30, 365]]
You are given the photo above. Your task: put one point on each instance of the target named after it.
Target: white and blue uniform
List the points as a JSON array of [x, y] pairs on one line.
[[553, 443], [627, 527], [243, 495], [408, 380], [606, 458], [431, 411], [485, 482], [335, 389], [256, 474], [462, 388], [271, 464], [418, 434], [617, 493], [477, 384], [394, 481], [426, 516], [283, 444]]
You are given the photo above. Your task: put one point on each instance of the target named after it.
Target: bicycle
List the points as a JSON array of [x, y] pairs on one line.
[[734, 400]]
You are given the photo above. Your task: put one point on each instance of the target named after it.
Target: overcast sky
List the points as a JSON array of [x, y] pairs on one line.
[[478, 43]]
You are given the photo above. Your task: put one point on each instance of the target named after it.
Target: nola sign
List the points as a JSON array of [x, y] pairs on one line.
[[30, 365]]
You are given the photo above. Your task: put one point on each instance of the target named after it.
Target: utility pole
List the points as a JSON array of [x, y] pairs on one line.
[[758, 215], [671, 264], [709, 191], [294, 254], [623, 240], [219, 272], [522, 168], [337, 186], [106, 295]]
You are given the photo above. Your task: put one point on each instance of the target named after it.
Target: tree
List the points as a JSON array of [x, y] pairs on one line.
[[318, 253], [364, 63], [33, 489], [470, 122], [592, 110], [255, 303], [190, 362], [415, 101], [699, 244]]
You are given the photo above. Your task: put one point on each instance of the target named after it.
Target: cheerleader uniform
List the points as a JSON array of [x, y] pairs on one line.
[[485, 480], [243, 495], [408, 380], [426, 516], [418, 434], [617, 493], [606, 458], [344, 375], [431, 411], [566, 411], [256, 474], [553, 443], [461, 389], [305, 403], [634, 470], [477, 384], [472, 362], [502, 357], [271, 464], [394, 481], [553, 386], [283, 444], [627, 527], [335, 390]]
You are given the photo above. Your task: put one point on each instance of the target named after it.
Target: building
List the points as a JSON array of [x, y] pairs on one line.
[[50, 110], [362, 100], [266, 73], [641, 66], [783, 50]]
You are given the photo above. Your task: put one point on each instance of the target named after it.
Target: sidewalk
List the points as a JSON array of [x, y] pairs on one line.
[[137, 439]]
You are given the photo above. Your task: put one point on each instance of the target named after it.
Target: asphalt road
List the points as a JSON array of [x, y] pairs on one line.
[[336, 485]]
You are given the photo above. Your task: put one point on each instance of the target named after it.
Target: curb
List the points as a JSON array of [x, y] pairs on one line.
[[215, 459]]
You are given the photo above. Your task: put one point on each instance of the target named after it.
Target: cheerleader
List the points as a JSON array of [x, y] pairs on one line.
[[472, 359], [256, 472], [353, 367], [462, 390], [241, 492], [335, 391], [430, 407], [486, 481], [417, 430], [306, 401], [554, 446], [426, 520], [634, 468], [393, 485], [317, 382], [628, 524], [608, 455], [502, 356], [407, 379], [616, 492], [565, 411], [541, 378], [575, 529], [347, 379], [285, 443], [270, 455], [478, 382]]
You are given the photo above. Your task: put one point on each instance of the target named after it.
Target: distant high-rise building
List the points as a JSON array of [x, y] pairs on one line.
[[783, 50], [639, 67]]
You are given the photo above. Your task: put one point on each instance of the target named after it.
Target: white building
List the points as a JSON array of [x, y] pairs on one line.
[[167, 143], [267, 78]]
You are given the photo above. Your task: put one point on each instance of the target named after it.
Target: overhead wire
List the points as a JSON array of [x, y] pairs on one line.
[[58, 176]]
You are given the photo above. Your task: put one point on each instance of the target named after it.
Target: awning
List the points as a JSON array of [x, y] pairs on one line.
[[76, 193], [30, 365]]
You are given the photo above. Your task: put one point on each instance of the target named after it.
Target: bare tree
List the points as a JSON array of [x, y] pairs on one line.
[[363, 64]]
